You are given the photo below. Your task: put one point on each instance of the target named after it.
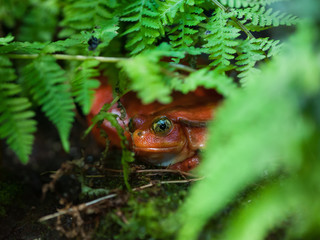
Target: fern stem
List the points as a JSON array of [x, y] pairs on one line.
[[182, 67], [83, 58], [234, 19], [67, 57]]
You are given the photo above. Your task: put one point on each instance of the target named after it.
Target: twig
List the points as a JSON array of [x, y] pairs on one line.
[[99, 200], [67, 57], [83, 58], [182, 67], [79, 207], [234, 19], [167, 171], [154, 171]]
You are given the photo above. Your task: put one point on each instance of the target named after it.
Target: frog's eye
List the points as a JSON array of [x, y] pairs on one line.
[[161, 126]]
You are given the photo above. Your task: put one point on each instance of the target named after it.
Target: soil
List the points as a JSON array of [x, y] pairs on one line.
[[54, 179], [19, 218]]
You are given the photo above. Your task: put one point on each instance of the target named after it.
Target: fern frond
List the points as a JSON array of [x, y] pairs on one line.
[[82, 15], [83, 84], [221, 39], [62, 45], [6, 40], [183, 34], [246, 3], [23, 47], [253, 50], [261, 16], [16, 123], [46, 82], [206, 78], [145, 67], [11, 11], [169, 9], [40, 23], [145, 25]]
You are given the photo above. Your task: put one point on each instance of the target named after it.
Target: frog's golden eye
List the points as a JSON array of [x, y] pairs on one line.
[[161, 126]]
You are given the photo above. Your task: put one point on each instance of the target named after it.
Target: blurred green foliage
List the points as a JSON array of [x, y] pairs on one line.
[[266, 133], [269, 130]]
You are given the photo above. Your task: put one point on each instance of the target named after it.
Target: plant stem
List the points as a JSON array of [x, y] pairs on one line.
[[83, 58], [67, 57], [236, 21], [182, 67]]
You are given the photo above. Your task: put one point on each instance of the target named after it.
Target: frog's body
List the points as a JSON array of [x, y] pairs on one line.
[[165, 135]]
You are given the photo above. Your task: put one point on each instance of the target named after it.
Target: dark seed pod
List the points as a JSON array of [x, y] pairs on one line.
[[93, 43]]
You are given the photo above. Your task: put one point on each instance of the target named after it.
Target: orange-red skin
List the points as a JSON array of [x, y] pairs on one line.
[[188, 112]]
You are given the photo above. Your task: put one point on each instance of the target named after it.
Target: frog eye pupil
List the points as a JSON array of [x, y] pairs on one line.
[[161, 126]]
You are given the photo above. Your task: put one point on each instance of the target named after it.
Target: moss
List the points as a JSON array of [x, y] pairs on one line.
[[145, 216], [8, 192]]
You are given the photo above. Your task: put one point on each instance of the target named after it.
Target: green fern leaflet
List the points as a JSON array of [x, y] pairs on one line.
[[83, 84], [221, 40], [16, 123], [146, 26], [46, 82]]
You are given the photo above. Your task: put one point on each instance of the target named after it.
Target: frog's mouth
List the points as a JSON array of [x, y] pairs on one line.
[[160, 156], [151, 150]]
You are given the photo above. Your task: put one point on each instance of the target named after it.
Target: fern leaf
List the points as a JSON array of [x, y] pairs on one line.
[[208, 79], [61, 45], [246, 3], [145, 25], [221, 40], [82, 15], [253, 50], [6, 40], [261, 16], [40, 23], [46, 82], [23, 47], [16, 123], [146, 76], [183, 35], [169, 9], [83, 84], [12, 11]]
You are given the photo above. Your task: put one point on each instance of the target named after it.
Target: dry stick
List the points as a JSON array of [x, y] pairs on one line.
[[98, 200], [154, 171], [234, 19], [167, 171]]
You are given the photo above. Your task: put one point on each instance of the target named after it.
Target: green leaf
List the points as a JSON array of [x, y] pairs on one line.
[[80, 15], [46, 82], [40, 23], [208, 79], [83, 84], [6, 40], [16, 123], [261, 16], [252, 51], [221, 40], [259, 133], [185, 32], [144, 25], [147, 75]]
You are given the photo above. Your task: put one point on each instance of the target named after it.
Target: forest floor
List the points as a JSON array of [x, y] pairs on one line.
[[55, 180]]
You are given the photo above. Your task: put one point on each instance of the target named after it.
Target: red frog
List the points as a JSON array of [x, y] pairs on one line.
[[168, 135]]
